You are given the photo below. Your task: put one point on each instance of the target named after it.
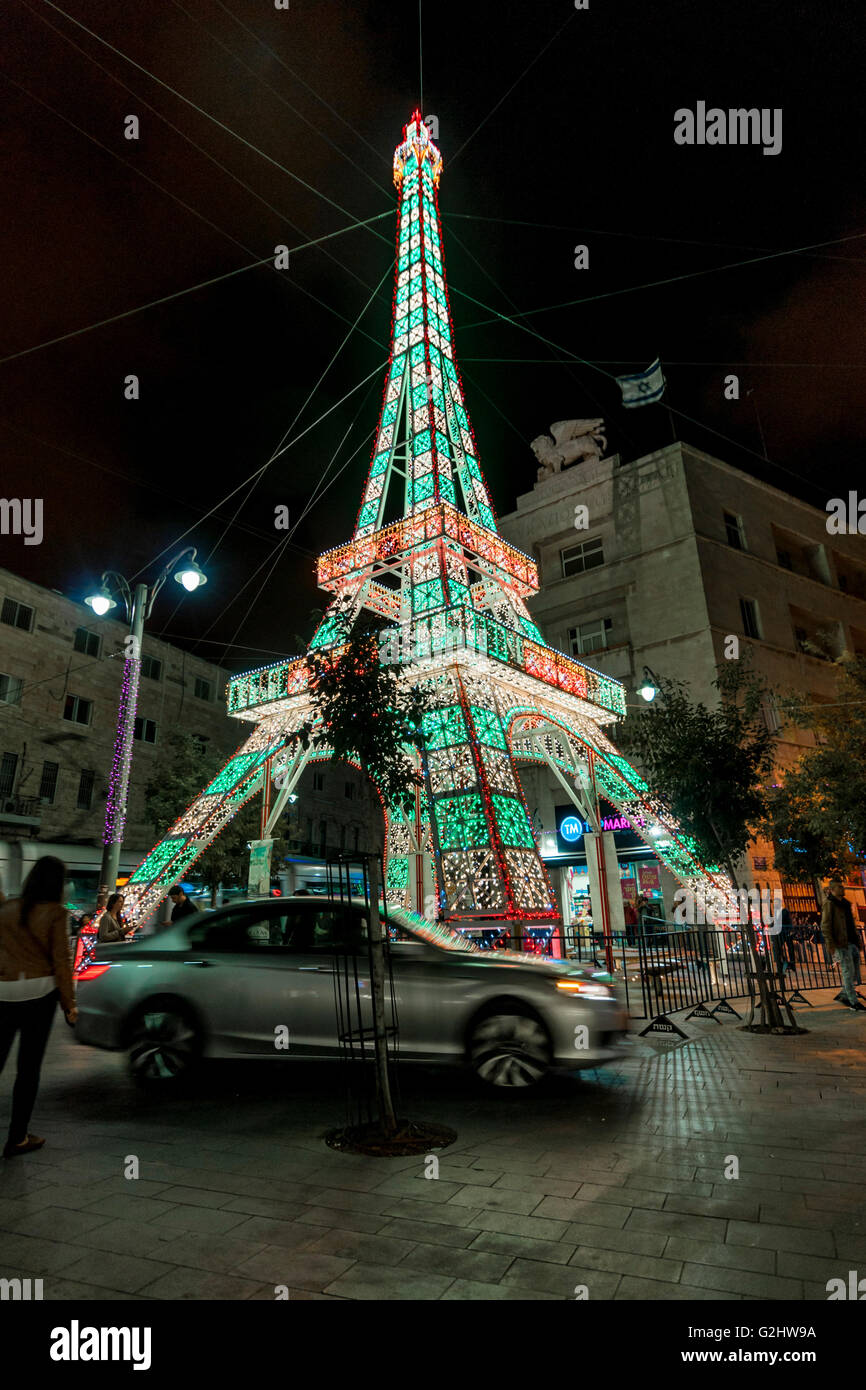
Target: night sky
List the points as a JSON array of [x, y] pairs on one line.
[[548, 116]]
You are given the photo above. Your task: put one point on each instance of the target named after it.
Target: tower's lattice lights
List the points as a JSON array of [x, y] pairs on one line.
[[451, 592]]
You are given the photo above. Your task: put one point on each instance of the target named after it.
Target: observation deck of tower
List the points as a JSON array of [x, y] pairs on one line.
[[452, 596]]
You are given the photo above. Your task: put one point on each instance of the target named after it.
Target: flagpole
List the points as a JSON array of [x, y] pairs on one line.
[[669, 411]]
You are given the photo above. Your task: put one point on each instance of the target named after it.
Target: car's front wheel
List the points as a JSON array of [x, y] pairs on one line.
[[164, 1044], [509, 1048]]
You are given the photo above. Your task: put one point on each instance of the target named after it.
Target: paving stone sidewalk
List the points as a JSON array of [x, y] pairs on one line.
[[615, 1182]]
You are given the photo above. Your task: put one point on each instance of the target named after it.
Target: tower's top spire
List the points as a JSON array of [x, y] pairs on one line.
[[424, 444], [416, 145]]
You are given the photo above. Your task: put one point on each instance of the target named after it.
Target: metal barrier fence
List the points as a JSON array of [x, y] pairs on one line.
[[680, 968]]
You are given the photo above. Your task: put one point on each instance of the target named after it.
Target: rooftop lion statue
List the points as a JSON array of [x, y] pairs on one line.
[[572, 442]]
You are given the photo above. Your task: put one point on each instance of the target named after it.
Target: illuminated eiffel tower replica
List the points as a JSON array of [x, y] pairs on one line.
[[452, 593]]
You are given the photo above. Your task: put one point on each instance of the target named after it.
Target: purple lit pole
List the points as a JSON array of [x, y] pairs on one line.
[[139, 604], [118, 780]]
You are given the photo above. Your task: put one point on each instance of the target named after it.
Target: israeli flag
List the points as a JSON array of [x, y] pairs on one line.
[[643, 387]]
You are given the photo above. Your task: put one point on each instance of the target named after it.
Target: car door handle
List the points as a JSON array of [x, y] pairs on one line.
[[200, 963], [320, 969]]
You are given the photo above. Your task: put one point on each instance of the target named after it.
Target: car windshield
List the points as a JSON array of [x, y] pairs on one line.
[[413, 926]]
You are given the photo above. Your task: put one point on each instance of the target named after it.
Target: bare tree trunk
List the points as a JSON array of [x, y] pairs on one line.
[[377, 990]]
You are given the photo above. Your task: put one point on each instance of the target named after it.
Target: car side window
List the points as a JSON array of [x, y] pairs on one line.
[[338, 929], [247, 930]]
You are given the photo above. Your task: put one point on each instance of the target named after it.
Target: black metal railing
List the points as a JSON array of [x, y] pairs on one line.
[[349, 881], [680, 968]]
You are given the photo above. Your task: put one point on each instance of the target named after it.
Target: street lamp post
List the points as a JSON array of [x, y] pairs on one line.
[[138, 603]]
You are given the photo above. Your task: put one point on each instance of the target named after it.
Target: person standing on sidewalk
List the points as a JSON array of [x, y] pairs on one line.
[[840, 939], [35, 969], [629, 912], [112, 927]]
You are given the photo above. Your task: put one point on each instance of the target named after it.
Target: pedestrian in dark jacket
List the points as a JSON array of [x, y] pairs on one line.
[[840, 939], [182, 904], [783, 942], [35, 970]]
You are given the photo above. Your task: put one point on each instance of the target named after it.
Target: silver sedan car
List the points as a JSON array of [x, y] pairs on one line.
[[263, 979]]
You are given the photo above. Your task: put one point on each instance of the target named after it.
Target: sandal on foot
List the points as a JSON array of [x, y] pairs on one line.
[[25, 1147]]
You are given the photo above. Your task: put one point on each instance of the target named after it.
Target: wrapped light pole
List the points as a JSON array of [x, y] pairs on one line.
[[138, 603]]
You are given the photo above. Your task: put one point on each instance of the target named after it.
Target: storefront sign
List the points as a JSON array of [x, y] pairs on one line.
[[571, 828], [259, 878], [648, 878]]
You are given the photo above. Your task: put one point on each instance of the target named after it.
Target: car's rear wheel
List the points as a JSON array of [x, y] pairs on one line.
[[164, 1044], [509, 1048]]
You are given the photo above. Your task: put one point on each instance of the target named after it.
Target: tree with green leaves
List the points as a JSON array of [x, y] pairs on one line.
[[796, 822], [367, 716], [713, 767], [817, 816], [836, 766]]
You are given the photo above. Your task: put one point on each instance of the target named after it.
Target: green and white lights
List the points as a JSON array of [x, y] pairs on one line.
[[451, 594]]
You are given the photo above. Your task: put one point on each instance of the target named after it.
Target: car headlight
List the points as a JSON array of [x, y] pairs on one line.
[[587, 989]]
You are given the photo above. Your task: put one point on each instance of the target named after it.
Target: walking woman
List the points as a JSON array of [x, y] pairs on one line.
[[35, 970]]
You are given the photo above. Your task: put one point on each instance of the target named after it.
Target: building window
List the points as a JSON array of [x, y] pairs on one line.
[[151, 667], [734, 532], [589, 637], [323, 834], [10, 690], [579, 558], [87, 642], [203, 689], [48, 783], [318, 781], [772, 718], [349, 789], [145, 730], [355, 846], [8, 767], [85, 790], [343, 838], [16, 615], [749, 615], [784, 558], [77, 710]]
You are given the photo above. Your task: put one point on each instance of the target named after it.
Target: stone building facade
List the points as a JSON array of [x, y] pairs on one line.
[[676, 553], [60, 677]]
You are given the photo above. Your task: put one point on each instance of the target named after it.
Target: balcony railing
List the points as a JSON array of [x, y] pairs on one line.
[[20, 808]]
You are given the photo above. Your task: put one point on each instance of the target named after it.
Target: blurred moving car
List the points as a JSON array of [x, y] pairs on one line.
[[221, 983]]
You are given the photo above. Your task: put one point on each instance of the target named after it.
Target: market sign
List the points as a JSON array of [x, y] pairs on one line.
[[571, 828]]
